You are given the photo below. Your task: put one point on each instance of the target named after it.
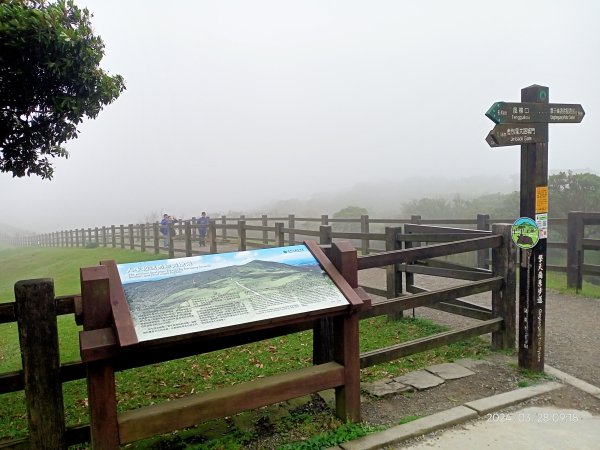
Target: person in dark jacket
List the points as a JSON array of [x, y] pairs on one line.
[[203, 228]]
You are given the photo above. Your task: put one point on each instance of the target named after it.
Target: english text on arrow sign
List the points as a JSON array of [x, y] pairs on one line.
[[504, 112], [515, 134]]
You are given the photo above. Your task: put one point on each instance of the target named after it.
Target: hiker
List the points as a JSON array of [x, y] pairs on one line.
[[164, 229], [202, 228]]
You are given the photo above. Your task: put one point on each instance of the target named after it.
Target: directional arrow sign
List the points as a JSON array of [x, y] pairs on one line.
[[503, 112], [515, 134]]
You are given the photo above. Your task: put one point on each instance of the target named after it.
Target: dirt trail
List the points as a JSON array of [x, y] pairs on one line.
[[572, 324]]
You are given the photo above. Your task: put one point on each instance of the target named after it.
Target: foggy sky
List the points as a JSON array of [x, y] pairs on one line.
[[233, 104]]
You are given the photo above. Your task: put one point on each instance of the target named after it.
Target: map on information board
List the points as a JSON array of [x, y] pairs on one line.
[[186, 295]]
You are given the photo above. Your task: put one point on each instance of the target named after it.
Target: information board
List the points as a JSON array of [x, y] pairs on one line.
[[186, 295]]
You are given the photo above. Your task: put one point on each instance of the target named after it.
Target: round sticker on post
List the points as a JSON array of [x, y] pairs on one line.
[[525, 232]]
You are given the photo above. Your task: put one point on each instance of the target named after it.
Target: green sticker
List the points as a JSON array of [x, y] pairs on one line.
[[525, 232]]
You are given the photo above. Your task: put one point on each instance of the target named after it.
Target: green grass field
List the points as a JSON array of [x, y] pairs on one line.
[[174, 379]]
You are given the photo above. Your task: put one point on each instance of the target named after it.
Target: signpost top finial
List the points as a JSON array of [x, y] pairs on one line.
[[535, 93]]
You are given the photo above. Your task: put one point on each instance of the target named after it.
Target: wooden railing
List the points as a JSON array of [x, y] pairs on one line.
[[367, 234], [402, 259]]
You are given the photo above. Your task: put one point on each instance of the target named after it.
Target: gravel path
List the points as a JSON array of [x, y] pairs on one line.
[[572, 324]]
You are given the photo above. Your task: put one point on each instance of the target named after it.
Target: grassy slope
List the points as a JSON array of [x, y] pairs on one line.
[[156, 383]]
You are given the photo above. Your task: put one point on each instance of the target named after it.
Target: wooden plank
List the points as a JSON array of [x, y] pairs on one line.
[[11, 381], [419, 228], [374, 291], [65, 304], [7, 312], [95, 294], [123, 322], [425, 299], [470, 275], [590, 269], [38, 338], [432, 251], [346, 352], [391, 353], [504, 300], [453, 266], [96, 345], [436, 237], [358, 236], [553, 268], [464, 311], [104, 428], [453, 301], [345, 288], [590, 244], [194, 409]]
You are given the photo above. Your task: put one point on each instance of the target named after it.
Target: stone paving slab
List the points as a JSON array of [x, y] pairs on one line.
[[385, 388], [449, 371], [420, 379], [472, 364]]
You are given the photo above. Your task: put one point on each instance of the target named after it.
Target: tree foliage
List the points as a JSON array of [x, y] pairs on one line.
[[570, 191], [49, 80]]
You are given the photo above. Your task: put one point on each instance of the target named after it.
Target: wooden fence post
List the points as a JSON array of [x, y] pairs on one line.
[[143, 237], [346, 348], [504, 301], [364, 228], [279, 236], [131, 237], [95, 297], [122, 235], [242, 235], [104, 236], [392, 275], [224, 230], [574, 250], [113, 237], [38, 337], [265, 233], [483, 223], [324, 219], [171, 239], [71, 238], [325, 235], [194, 226], [291, 225], [76, 237], [156, 238], [97, 236], [83, 238], [212, 236], [323, 331], [188, 238]]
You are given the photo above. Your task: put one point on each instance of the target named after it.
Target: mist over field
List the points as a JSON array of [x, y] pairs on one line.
[[279, 107]]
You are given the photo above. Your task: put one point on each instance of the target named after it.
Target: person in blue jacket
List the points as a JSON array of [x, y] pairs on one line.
[[164, 229], [202, 228]]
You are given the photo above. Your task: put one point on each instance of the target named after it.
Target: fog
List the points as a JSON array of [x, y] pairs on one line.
[[234, 105]]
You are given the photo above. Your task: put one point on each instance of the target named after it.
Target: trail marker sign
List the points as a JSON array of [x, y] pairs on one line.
[[503, 112], [526, 123]]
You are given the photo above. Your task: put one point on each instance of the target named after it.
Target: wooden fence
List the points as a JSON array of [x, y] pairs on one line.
[[36, 308], [243, 233]]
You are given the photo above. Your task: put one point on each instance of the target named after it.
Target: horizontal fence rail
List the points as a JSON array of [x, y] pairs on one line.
[[396, 260]]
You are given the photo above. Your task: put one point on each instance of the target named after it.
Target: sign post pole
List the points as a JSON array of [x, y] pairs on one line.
[[532, 274], [526, 124]]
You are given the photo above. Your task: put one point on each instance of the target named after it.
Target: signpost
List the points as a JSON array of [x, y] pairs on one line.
[[526, 124], [503, 112]]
